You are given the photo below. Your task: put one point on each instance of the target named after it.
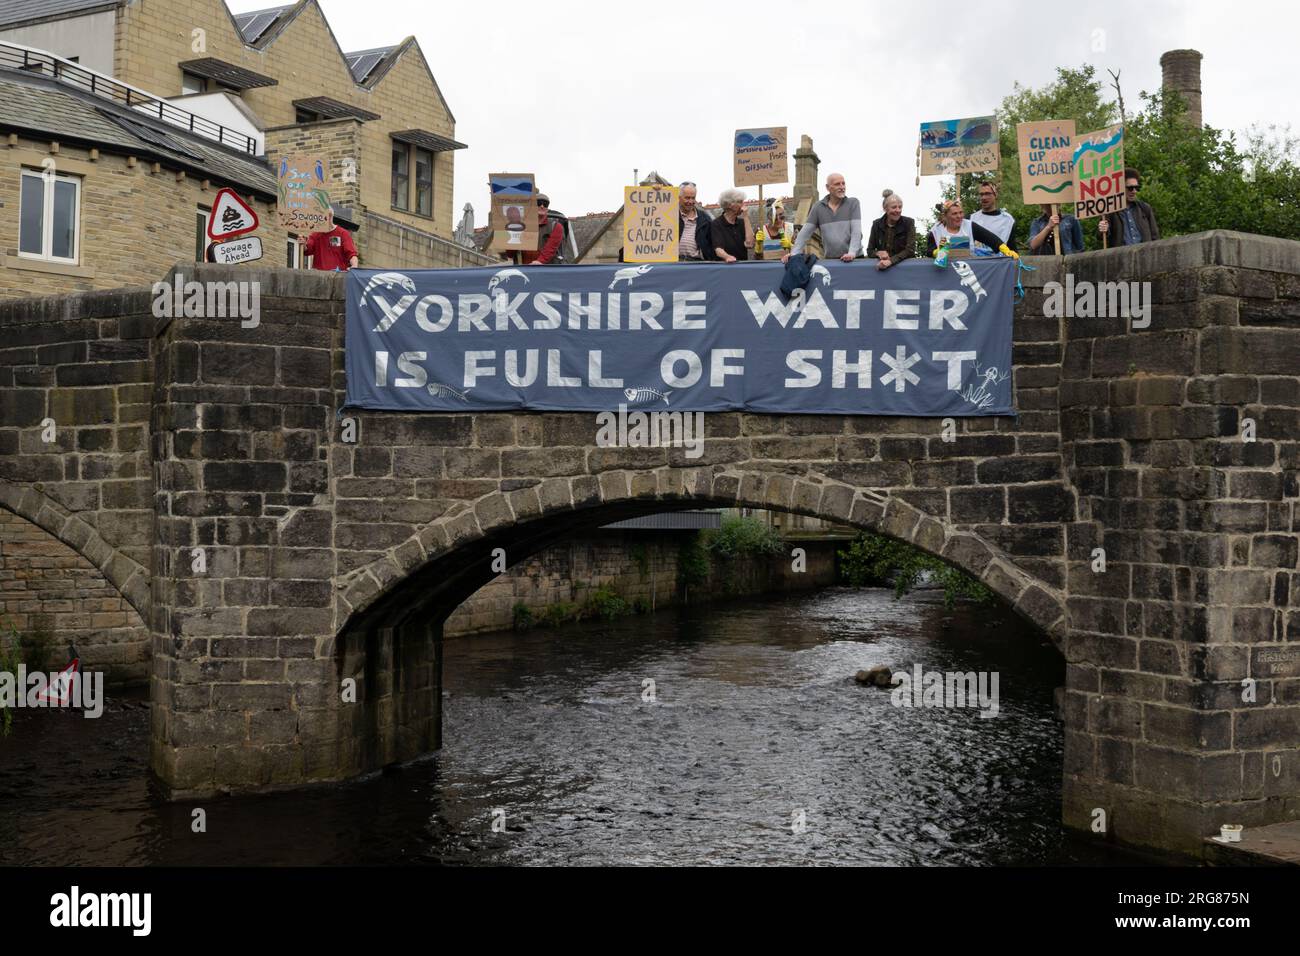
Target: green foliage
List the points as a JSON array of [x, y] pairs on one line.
[[692, 562], [523, 616], [1195, 179], [872, 558], [641, 558], [606, 603], [556, 614], [741, 536], [10, 657], [641, 606]]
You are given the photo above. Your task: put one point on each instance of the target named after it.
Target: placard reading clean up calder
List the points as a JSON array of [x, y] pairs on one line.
[[910, 340]]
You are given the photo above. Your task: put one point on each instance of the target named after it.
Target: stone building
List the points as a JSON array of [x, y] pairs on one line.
[[281, 77], [101, 196]]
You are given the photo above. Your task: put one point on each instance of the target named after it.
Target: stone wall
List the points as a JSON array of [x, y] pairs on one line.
[[48, 588], [1199, 530], [641, 566]]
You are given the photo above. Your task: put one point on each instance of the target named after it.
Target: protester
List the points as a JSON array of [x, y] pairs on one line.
[[1041, 229], [776, 238], [997, 221], [1135, 224], [332, 251], [837, 218], [550, 238], [731, 235], [956, 231], [893, 235], [692, 227]]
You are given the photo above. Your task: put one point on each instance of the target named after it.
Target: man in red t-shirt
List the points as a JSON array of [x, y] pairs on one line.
[[333, 250], [550, 235]]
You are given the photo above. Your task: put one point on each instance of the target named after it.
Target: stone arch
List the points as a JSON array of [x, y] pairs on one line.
[[128, 576], [445, 561]]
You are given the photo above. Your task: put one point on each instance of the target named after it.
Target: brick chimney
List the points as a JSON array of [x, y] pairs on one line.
[[806, 188], [1181, 72]]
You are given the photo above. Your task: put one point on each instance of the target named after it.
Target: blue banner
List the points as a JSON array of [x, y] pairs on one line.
[[909, 340]]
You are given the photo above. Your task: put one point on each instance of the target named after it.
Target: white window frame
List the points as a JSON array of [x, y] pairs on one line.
[[299, 253], [48, 179]]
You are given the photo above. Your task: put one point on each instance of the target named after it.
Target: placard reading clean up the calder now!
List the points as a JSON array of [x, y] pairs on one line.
[[911, 340]]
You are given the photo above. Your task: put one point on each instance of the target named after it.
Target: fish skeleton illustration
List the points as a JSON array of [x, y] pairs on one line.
[[503, 275], [627, 275], [982, 396], [392, 313], [968, 278], [439, 390], [823, 272], [636, 395]]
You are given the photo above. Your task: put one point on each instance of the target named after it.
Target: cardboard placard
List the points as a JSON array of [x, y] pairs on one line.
[[760, 157], [243, 249], [958, 146], [1046, 161], [304, 199], [513, 216], [650, 224], [1099, 173]]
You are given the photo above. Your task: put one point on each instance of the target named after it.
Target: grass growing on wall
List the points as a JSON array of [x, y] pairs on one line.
[[10, 657], [743, 537], [872, 558]]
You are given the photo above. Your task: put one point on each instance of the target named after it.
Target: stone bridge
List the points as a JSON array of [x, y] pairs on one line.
[[201, 523]]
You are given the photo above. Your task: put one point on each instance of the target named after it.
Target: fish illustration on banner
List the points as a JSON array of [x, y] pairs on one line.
[[960, 146]]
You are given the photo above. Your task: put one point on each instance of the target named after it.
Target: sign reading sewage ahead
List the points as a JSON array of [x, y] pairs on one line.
[[911, 340]]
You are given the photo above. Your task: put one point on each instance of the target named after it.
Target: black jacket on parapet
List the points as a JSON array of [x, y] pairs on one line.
[[898, 240], [702, 241]]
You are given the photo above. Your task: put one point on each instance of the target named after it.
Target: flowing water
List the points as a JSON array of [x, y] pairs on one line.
[[752, 745]]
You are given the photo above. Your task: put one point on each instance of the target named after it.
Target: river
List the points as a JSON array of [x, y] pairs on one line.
[[753, 745]]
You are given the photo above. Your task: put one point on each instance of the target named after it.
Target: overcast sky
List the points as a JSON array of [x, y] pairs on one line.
[[581, 94]]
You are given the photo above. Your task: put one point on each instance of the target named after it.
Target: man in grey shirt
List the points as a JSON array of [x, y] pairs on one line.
[[838, 218]]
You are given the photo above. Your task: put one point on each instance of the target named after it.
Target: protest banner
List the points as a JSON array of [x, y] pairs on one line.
[[953, 147], [910, 340], [1099, 173], [304, 202], [513, 215], [650, 224], [761, 156], [1046, 161]]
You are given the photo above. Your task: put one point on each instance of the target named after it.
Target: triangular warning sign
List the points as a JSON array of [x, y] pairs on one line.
[[231, 216]]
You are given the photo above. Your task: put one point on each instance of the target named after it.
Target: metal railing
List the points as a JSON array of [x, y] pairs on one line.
[[14, 56]]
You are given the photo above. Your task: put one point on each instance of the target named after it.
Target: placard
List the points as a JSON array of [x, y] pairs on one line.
[[243, 249], [650, 224], [304, 200], [1046, 161], [761, 156], [1099, 173], [513, 216], [960, 146]]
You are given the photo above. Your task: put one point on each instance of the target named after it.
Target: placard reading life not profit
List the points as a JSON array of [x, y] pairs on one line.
[[1099, 173], [650, 224]]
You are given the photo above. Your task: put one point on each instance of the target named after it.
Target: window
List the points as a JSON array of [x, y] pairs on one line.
[[49, 216], [201, 233], [190, 83], [306, 116], [295, 254], [401, 176], [423, 182]]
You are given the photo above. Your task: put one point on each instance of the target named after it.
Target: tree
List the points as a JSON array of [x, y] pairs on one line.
[[1196, 179]]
